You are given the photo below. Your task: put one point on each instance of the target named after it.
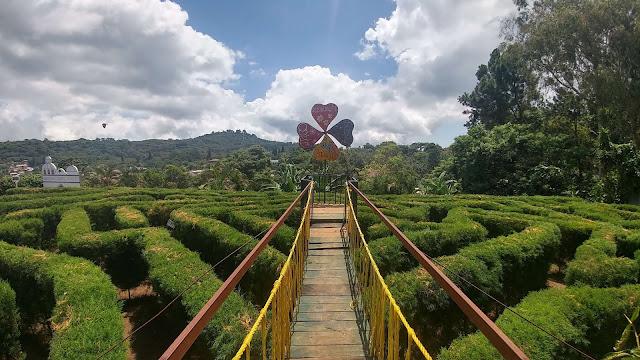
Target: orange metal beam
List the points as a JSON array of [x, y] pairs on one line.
[[500, 341], [188, 336]]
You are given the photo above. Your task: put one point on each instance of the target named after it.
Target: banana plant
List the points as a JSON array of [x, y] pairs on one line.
[[628, 347]]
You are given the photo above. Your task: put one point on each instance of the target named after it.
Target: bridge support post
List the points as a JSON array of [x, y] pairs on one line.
[[303, 184], [354, 199]]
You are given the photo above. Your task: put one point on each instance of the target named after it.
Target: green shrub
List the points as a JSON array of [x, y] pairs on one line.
[[595, 263], [73, 223], [226, 331], [75, 294], [128, 217], [171, 268], [102, 215], [590, 319], [257, 226], [456, 231], [25, 232], [214, 240], [9, 323], [507, 267]]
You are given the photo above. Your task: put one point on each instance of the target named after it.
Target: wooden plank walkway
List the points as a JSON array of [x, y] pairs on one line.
[[325, 326]]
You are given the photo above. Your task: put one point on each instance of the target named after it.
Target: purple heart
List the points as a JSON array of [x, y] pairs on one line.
[[343, 132]]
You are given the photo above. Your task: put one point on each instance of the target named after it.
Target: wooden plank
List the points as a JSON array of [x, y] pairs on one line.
[[325, 299], [324, 307], [325, 267], [326, 350], [327, 280], [327, 338], [329, 245], [326, 289], [315, 273], [330, 315], [327, 325], [331, 225], [327, 252]]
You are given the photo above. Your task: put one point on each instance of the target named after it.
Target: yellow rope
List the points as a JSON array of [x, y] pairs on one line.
[[385, 326], [283, 297]]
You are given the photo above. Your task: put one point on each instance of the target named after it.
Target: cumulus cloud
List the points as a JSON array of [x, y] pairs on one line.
[[133, 64], [67, 66]]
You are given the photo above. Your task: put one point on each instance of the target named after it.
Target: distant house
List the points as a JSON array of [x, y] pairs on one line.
[[20, 169], [52, 177]]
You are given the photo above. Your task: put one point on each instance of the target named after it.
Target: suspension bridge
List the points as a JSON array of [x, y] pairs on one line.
[[330, 300]]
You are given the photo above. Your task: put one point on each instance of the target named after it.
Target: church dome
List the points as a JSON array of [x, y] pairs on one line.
[[72, 170], [49, 168]]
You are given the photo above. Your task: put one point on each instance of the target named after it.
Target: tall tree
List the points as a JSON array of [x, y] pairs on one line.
[[591, 50], [505, 91]]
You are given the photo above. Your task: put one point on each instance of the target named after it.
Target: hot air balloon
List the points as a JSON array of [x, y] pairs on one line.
[[104, 125]]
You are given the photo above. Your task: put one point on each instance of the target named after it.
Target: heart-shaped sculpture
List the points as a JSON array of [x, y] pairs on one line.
[[324, 114], [326, 150], [343, 132], [309, 136]]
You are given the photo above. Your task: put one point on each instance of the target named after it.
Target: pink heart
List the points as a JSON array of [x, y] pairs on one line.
[[309, 136], [324, 114]]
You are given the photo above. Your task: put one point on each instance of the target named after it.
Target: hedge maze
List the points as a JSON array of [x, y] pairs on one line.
[[71, 260], [68, 258], [568, 265]]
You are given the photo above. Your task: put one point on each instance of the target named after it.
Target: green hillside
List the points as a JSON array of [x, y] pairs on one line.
[[148, 153]]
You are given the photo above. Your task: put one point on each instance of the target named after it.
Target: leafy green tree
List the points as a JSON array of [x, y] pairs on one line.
[[152, 178], [251, 160], [175, 177], [588, 49], [130, 178], [102, 175], [505, 92], [389, 172], [30, 180], [6, 183]]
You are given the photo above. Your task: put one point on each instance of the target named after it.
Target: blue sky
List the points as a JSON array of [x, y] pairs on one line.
[[178, 69], [285, 34]]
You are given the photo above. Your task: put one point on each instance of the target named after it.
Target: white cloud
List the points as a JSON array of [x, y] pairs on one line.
[[70, 65], [67, 66]]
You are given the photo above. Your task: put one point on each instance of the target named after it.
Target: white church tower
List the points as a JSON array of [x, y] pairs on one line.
[[52, 177]]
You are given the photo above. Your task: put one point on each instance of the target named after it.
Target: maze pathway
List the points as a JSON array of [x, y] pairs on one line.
[[326, 326]]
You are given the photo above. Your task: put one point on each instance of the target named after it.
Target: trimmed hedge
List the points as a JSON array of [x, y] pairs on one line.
[[456, 231], [74, 222], [256, 225], [75, 294], [214, 240], [588, 318], [507, 267], [26, 232], [596, 263], [9, 324], [127, 217], [171, 267]]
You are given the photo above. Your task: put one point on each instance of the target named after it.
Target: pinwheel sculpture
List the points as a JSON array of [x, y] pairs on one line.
[[326, 149]]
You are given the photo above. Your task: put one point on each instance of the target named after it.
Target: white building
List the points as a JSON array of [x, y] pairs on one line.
[[52, 177]]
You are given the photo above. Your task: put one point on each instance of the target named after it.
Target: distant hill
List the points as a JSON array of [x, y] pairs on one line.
[[147, 153]]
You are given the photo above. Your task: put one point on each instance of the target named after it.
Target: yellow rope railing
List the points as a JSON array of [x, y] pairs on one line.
[[386, 323], [275, 333]]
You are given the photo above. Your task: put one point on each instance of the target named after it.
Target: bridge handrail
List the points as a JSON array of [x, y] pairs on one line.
[[374, 292], [188, 336], [494, 334], [283, 297]]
